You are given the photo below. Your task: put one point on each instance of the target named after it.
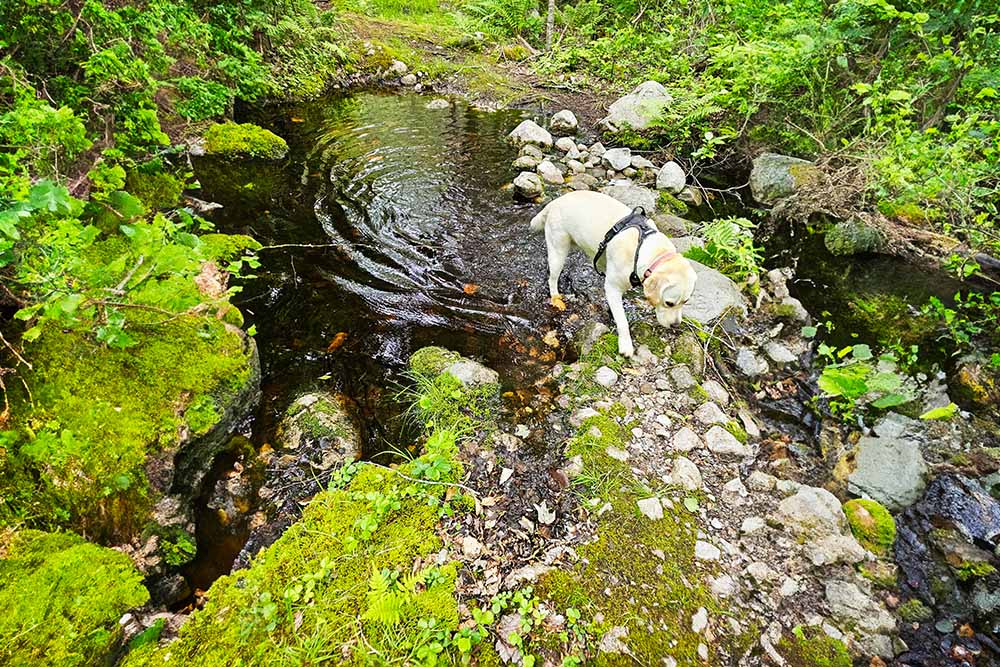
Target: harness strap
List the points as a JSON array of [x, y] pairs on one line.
[[637, 219]]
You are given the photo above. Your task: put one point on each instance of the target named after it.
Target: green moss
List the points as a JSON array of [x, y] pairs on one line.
[[61, 598], [737, 430], [880, 573], [698, 393], [781, 311], [915, 611], [432, 360], [95, 415], [890, 318], [670, 204], [227, 247], [177, 546], [155, 188], [871, 524], [811, 647], [967, 570], [244, 139], [350, 579]]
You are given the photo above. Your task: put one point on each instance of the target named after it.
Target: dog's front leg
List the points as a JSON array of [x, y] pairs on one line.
[[614, 296]]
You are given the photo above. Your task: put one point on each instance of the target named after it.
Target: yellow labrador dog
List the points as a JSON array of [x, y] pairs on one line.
[[635, 255]]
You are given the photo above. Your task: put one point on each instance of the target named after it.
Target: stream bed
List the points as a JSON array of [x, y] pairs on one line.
[[391, 226]]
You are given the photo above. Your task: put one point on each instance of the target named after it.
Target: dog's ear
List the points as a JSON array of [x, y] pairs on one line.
[[652, 287]]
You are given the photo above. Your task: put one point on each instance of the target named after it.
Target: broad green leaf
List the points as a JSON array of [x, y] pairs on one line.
[[49, 196], [946, 412], [862, 352], [809, 332], [890, 401], [691, 504]]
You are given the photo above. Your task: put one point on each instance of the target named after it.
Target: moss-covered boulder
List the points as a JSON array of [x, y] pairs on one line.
[[106, 433], [356, 580], [61, 598], [320, 416], [871, 524], [431, 361], [244, 139], [976, 382], [853, 237], [775, 177], [811, 647]]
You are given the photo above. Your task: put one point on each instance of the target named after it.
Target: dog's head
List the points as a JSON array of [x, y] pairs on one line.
[[668, 287]]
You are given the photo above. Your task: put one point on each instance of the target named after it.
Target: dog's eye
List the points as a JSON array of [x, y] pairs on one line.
[[670, 304]]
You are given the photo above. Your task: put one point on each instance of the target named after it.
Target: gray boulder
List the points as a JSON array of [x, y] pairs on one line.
[[632, 196], [320, 416], [528, 185], [472, 373], [853, 237], [890, 470], [671, 178], [564, 122], [526, 162], [714, 295], [775, 177], [813, 513], [530, 132], [617, 158], [566, 144], [550, 173], [637, 110]]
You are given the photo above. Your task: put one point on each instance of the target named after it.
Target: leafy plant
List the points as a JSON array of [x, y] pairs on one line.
[[853, 378], [729, 247]]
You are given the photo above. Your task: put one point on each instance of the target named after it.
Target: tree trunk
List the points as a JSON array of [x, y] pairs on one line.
[[550, 24]]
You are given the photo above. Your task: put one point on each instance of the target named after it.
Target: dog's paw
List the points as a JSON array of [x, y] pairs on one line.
[[557, 302], [626, 349]]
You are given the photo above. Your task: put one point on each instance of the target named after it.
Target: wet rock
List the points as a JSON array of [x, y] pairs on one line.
[[606, 377], [720, 441], [168, 590], [528, 185], [889, 470], [617, 158], [714, 295], [550, 173], [637, 110], [671, 178], [685, 474], [320, 416], [853, 237], [750, 364], [530, 132], [409, 80], [438, 104], [472, 373], [632, 195], [775, 177]]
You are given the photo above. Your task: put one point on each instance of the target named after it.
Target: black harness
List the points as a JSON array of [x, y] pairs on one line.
[[637, 219]]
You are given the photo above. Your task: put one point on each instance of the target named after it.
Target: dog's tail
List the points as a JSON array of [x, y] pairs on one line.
[[538, 222]]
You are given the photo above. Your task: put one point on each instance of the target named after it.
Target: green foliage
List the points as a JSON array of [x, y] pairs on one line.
[[852, 378], [973, 318], [871, 524], [201, 99], [500, 18], [244, 139], [729, 247], [178, 547], [61, 598]]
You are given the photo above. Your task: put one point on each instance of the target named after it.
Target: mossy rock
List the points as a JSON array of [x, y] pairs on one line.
[[105, 432], [976, 382], [321, 418], [811, 647], [668, 203], [244, 139], [853, 237], [156, 189], [322, 583], [61, 598], [432, 360], [871, 524]]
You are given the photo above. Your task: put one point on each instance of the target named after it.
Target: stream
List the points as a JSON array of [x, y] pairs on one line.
[[391, 226]]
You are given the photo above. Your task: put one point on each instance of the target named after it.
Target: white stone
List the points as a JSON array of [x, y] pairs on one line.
[[671, 178], [576, 166], [606, 377], [706, 551], [749, 363], [566, 144], [789, 587], [564, 122], [720, 441], [778, 353], [637, 110], [716, 392], [761, 481], [409, 80], [616, 453], [651, 508], [685, 440], [398, 67], [685, 474], [617, 158], [471, 548], [550, 173], [438, 104], [723, 586], [710, 413], [752, 524], [812, 513], [528, 185], [734, 492], [639, 162], [526, 162], [699, 622], [530, 132]]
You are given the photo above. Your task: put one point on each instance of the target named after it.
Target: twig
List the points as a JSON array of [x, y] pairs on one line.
[[16, 353]]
